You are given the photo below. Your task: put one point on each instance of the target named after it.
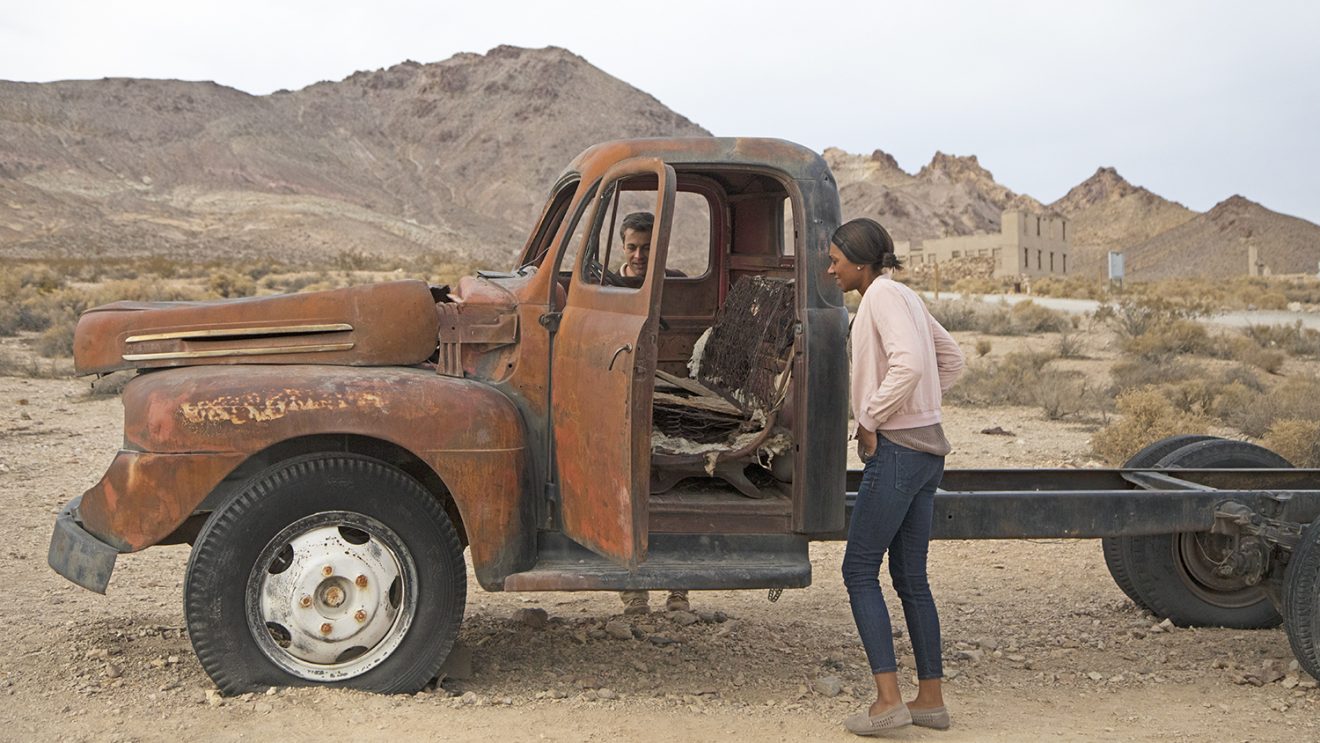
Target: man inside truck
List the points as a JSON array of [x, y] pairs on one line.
[[636, 236]]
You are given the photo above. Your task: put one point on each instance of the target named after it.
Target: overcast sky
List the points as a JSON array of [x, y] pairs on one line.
[[1195, 100]]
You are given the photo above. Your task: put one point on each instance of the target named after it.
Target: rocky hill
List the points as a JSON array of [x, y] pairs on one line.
[[1105, 212], [453, 157], [1217, 242], [951, 195]]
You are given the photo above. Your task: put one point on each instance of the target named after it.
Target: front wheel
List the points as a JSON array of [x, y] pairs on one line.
[[328, 569]]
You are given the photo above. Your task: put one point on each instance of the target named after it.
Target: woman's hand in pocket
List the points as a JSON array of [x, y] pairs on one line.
[[866, 443]]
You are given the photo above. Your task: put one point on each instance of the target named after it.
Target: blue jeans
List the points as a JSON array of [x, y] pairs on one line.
[[895, 503]]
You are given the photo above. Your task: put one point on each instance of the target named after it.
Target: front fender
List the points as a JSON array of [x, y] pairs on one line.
[[470, 434]]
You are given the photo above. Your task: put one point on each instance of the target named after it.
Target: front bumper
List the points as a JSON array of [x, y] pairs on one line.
[[77, 555]]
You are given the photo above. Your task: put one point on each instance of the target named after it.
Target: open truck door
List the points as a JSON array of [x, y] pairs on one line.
[[603, 371]]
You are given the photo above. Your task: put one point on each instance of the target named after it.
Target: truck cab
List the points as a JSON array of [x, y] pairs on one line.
[[573, 424]]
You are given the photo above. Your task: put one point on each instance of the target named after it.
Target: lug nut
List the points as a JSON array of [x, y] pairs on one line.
[[305, 601], [361, 615], [361, 581], [325, 628], [327, 571]]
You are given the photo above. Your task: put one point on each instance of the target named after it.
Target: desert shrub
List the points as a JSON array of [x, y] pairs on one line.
[[1134, 373], [983, 346], [1135, 315], [1030, 317], [1069, 346], [1022, 378], [57, 340], [1062, 394], [1007, 382], [1242, 374], [228, 284], [1293, 339], [1254, 412], [977, 285], [9, 318], [1071, 286], [998, 319], [955, 315], [1168, 337], [1231, 400], [354, 259], [1269, 360], [1296, 440], [1145, 416]]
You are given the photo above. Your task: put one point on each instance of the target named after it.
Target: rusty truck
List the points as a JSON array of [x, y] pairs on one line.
[[336, 458]]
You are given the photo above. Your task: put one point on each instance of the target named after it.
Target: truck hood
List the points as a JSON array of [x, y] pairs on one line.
[[394, 323]]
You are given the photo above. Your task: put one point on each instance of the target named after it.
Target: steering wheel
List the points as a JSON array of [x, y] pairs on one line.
[[598, 274]]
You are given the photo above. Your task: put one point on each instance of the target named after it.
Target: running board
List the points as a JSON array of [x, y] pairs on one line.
[[691, 561]]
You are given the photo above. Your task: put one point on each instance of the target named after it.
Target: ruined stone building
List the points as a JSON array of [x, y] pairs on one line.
[[1026, 245]]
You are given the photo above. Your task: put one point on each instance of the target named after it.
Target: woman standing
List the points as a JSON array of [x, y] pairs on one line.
[[902, 363]]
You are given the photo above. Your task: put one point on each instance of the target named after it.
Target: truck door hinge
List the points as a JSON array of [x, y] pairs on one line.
[[551, 320]]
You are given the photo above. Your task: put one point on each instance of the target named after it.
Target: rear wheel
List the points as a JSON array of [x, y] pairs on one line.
[[1113, 546], [327, 569], [1301, 600], [1173, 575]]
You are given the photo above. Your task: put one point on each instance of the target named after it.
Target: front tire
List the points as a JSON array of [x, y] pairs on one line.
[[335, 570]]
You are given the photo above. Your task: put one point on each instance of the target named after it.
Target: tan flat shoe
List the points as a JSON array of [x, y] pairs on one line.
[[863, 723], [936, 718]]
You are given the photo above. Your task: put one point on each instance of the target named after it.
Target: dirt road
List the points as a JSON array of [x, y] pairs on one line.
[[1040, 643]]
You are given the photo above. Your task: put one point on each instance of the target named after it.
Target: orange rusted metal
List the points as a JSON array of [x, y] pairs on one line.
[[605, 459], [526, 396], [392, 323], [136, 503], [208, 420]]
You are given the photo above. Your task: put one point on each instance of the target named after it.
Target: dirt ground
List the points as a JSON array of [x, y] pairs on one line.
[[1040, 644]]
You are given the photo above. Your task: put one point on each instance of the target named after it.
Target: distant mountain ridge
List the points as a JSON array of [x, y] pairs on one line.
[[455, 157]]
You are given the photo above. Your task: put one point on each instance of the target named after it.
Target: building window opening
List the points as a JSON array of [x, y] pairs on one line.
[[1065, 263], [1038, 254], [1051, 261], [1037, 226]]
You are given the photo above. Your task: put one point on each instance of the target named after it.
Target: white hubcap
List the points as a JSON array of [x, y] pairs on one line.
[[331, 596]]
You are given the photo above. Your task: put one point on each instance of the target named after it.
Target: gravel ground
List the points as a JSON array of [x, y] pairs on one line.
[[1039, 643]]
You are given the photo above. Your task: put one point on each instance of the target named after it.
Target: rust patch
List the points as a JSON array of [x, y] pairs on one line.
[[256, 408]]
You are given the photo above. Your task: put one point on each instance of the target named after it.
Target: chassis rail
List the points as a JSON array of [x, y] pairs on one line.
[[1087, 504]]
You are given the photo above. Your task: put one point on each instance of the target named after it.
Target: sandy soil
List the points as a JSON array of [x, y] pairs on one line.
[[1040, 643]]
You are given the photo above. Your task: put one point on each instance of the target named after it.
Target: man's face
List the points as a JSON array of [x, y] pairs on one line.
[[637, 251]]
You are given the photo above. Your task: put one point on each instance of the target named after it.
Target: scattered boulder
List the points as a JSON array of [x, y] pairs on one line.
[[535, 618]]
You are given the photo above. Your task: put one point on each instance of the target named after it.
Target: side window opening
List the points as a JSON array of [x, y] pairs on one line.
[[614, 255]]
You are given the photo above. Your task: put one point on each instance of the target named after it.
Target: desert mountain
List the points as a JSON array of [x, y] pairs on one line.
[[951, 195], [1105, 212], [454, 157], [1217, 243]]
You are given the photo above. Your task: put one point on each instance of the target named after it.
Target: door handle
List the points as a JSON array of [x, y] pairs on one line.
[[621, 349]]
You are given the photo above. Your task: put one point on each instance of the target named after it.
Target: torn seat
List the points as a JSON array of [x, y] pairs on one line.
[[722, 419]]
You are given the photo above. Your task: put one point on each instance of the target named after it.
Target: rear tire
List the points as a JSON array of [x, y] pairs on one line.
[[335, 570], [1301, 601], [1173, 574], [1113, 546]]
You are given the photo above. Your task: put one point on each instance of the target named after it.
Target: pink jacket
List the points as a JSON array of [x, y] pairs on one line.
[[902, 359]]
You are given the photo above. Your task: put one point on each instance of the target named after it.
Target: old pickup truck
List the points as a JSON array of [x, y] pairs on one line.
[[333, 456]]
